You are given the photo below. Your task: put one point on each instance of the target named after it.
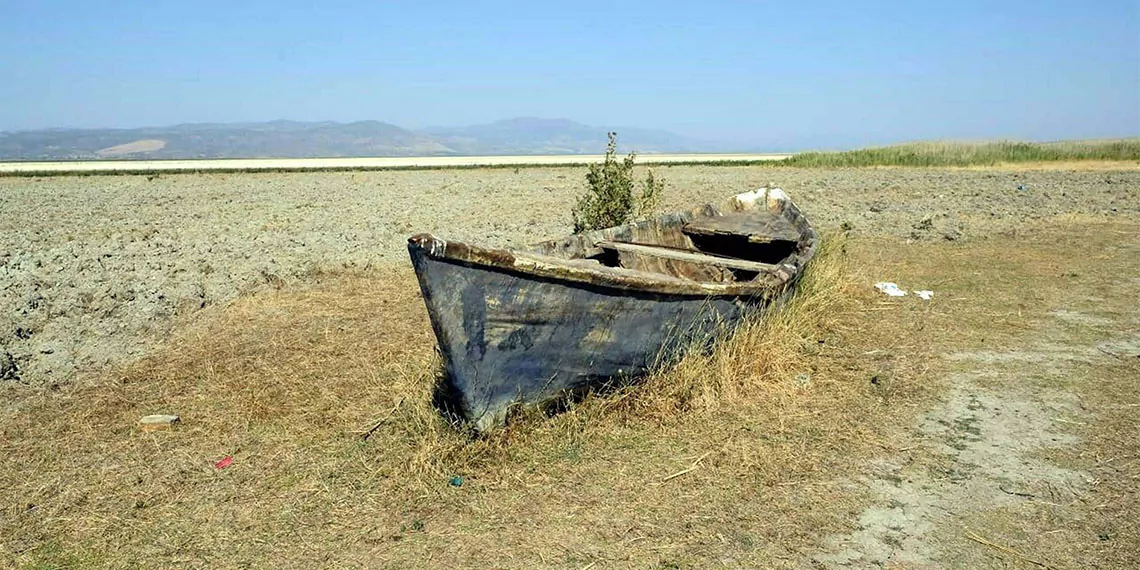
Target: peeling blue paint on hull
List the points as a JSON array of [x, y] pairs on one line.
[[509, 338]]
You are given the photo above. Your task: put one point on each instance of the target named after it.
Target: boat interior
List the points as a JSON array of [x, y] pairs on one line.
[[706, 245]]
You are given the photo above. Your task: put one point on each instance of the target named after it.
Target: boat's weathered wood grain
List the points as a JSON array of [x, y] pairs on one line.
[[691, 257], [677, 268], [664, 230], [591, 272], [762, 228]]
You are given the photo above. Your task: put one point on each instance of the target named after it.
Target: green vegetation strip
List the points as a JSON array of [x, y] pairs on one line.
[[970, 154]]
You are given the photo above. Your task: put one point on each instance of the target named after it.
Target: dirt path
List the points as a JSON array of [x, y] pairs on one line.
[[1003, 470]]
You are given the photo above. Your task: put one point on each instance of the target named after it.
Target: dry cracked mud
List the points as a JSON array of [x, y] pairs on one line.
[[93, 269]]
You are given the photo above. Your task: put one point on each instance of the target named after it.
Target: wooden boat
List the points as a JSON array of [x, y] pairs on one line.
[[531, 326]]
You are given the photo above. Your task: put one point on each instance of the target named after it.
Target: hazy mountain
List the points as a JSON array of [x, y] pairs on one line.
[[290, 139], [528, 135], [284, 139]]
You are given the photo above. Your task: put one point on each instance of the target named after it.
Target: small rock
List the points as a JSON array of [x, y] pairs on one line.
[[156, 422], [9, 370], [952, 234]]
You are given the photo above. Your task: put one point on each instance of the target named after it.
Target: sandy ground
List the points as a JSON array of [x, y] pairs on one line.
[[987, 464], [93, 268]]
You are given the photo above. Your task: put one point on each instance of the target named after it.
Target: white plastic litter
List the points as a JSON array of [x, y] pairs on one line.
[[890, 289], [925, 295]]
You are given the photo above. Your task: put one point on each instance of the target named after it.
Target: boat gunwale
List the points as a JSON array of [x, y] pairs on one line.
[[583, 271]]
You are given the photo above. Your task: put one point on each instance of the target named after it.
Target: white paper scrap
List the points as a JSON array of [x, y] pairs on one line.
[[890, 289]]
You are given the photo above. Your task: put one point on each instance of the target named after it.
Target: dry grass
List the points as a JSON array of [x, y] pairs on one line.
[[997, 295], [766, 431], [1113, 458], [945, 153], [764, 356], [287, 382], [1088, 165]]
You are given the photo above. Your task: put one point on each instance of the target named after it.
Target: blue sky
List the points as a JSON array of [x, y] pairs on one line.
[[764, 75]]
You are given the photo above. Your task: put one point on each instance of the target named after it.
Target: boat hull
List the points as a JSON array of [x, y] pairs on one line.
[[510, 337]]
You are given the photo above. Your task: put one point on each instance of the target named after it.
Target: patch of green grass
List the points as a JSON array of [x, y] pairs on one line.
[[970, 154], [52, 555]]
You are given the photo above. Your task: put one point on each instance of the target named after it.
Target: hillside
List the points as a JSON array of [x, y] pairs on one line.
[[290, 139], [528, 135]]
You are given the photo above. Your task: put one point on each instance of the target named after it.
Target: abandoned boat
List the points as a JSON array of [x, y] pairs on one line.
[[530, 326]]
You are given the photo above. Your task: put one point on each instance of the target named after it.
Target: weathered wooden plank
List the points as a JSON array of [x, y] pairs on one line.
[[689, 256], [677, 268], [760, 228]]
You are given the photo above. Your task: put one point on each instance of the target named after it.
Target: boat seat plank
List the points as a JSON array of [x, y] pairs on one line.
[[689, 256], [759, 228]]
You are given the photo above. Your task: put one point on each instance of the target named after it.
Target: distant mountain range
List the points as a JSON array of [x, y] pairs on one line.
[[291, 139]]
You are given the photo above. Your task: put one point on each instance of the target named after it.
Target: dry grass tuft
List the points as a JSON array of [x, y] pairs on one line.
[[764, 356]]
